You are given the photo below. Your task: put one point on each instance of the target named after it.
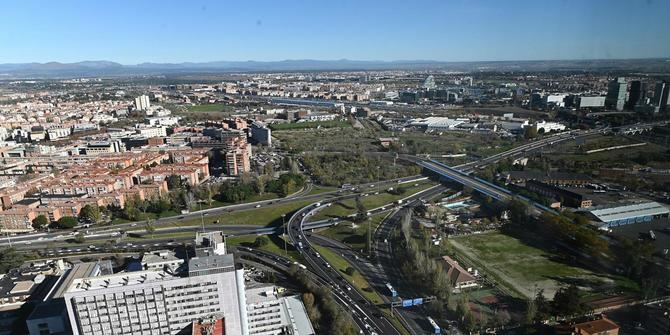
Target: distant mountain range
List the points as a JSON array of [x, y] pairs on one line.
[[107, 68]]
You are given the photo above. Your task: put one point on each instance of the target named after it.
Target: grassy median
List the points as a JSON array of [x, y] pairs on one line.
[[262, 216], [347, 207], [354, 236], [356, 280]]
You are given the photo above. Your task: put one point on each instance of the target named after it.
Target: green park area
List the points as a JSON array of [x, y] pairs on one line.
[[354, 235], [347, 207], [353, 277], [217, 203], [269, 243], [524, 270], [575, 152], [263, 216], [321, 189], [327, 140]]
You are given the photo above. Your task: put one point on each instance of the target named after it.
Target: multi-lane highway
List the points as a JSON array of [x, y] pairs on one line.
[[97, 235], [369, 318]]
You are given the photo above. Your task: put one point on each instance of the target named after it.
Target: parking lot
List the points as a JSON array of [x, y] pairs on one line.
[[660, 227]]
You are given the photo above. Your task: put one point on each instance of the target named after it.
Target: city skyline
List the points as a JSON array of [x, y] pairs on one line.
[[134, 33]]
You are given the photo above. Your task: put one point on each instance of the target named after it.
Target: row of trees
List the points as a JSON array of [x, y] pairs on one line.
[[419, 263], [89, 213], [326, 316], [181, 196], [569, 228], [567, 302], [248, 187], [420, 267]]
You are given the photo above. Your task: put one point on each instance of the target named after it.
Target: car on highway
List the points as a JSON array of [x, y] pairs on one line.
[[258, 206]]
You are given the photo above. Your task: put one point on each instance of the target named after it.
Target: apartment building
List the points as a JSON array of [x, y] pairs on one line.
[[152, 131], [237, 156], [270, 314], [157, 302]]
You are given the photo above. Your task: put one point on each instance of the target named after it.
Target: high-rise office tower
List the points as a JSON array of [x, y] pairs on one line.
[[429, 83], [616, 94], [661, 96], [637, 94]]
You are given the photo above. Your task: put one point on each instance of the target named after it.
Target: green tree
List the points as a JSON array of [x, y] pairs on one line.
[[361, 211], [261, 241], [40, 222], [531, 312], [174, 182], [542, 307], [268, 169], [260, 184], [567, 301], [80, 238], [530, 132], [91, 213], [67, 222], [10, 259], [150, 228], [350, 271], [288, 188]]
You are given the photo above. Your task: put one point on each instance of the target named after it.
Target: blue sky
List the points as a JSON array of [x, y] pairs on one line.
[[132, 32]]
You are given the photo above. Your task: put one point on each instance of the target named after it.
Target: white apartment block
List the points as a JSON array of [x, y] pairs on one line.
[[152, 131], [156, 302], [142, 102], [58, 133]]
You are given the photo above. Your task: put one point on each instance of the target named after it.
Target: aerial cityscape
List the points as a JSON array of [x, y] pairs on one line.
[[317, 168]]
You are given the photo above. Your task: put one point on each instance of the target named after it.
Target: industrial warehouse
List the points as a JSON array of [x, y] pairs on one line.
[[629, 214]]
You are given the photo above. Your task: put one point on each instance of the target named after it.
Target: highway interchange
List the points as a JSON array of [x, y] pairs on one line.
[[368, 317]]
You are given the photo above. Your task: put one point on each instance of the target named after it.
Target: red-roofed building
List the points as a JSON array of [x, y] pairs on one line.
[[603, 326], [209, 327], [459, 277]]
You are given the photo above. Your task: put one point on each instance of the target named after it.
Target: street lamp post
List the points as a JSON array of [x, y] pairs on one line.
[[285, 243], [370, 221], [202, 216]]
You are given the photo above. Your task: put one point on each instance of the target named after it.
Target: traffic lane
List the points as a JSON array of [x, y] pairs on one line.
[[325, 270], [233, 230], [354, 297], [375, 276], [337, 294], [253, 205], [388, 263]]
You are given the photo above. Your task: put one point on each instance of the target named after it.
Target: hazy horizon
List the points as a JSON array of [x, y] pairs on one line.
[[340, 60]]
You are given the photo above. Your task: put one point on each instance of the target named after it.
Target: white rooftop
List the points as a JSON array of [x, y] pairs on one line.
[[434, 121], [117, 279], [269, 314], [630, 211]]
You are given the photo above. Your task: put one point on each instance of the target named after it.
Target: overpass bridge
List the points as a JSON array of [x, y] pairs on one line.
[[445, 172]]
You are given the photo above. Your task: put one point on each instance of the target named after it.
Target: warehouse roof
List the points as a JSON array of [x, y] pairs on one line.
[[630, 211]]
